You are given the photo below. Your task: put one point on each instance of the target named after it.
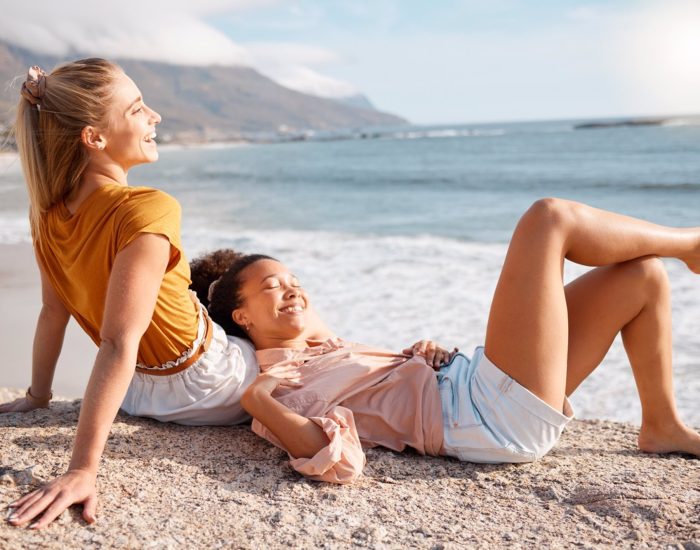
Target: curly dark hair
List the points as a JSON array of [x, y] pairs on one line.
[[226, 265], [208, 268]]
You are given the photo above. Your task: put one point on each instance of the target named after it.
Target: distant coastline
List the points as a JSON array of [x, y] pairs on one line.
[[689, 120], [189, 140]]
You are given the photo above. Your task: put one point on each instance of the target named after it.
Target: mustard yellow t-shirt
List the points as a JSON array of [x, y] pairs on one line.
[[77, 252]]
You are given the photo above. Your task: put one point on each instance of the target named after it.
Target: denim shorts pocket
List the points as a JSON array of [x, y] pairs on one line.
[[465, 435], [486, 395], [449, 397], [469, 405], [489, 396]]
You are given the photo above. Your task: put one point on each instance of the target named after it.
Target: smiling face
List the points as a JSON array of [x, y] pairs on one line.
[[274, 305], [129, 136]]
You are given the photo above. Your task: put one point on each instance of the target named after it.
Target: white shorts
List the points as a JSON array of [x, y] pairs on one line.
[[207, 393], [489, 417]]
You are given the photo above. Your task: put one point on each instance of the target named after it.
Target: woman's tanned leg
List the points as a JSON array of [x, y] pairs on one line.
[[633, 298], [528, 329]]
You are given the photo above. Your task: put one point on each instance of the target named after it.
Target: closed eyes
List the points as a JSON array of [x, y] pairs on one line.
[[273, 284]]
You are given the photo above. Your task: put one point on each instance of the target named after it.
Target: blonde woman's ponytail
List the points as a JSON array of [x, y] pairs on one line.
[[53, 110]]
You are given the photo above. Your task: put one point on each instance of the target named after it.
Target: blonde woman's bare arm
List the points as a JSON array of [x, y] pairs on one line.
[[131, 296]]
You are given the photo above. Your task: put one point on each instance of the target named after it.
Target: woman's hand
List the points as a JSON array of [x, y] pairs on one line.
[[75, 486], [267, 383], [22, 404], [262, 388], [301, 437], [434, 355]]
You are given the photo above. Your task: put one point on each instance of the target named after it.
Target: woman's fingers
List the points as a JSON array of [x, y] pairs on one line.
[[435, 356], [269, 382], [32, 508], [419, 347], [52, 499], [442, 357], [416, 349], [26, 499], [90, 508], [430, 352], [282, 374], [18, 405], [290, 381], [53, 510], [5, 407], [12, 406]]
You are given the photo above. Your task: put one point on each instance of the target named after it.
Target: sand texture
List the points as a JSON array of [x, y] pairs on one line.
[[168, 486]]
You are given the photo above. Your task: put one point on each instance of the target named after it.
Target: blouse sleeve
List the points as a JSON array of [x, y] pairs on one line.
[[151, 211], [341, 461]]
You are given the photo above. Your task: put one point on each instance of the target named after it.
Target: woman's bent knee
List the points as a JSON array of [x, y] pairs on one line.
[[649, 272], [549, 214]]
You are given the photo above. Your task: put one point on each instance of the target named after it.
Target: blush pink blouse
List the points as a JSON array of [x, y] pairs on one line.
[[360, 396]]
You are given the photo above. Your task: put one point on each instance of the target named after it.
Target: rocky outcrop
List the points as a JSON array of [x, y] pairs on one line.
[[168, 486]]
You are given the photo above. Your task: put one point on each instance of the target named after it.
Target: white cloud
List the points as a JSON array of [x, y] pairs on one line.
[[308, 81], [290, 65], [154, 30], [173, 31]]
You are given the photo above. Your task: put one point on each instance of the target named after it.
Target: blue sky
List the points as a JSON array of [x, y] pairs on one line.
[[466, 60], [440, 61], [326, 19]]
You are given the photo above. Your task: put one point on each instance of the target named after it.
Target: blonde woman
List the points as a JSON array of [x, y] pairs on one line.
[[110, 256]]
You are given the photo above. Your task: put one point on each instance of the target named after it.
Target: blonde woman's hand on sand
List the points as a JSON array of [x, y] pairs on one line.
[[435, 355], [22, 404], [73, 487]]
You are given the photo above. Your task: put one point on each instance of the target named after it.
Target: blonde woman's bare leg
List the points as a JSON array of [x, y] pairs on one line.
[[528, 329], [633, 298]]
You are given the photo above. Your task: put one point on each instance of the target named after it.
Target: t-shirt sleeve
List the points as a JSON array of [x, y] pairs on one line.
[[341, 461], [152, 211]]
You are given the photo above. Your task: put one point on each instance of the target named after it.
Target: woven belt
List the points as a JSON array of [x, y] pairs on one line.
[[203, 347]]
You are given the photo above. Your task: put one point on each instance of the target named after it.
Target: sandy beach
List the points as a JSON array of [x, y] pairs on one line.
[[167, 486]]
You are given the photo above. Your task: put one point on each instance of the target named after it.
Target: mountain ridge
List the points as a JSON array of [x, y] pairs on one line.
[[210, 103]]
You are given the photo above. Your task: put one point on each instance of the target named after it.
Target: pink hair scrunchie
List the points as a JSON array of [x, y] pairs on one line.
[[34, 87], [211, 289]]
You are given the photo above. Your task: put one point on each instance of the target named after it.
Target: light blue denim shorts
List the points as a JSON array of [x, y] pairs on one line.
[[489, 417]]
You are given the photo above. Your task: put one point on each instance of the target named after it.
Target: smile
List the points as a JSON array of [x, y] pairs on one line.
[[150, 137], [292, 309]]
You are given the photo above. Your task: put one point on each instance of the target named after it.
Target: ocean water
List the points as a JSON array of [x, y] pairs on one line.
[[400, 235]]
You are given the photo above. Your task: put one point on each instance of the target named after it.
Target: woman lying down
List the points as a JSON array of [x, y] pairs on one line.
[[323, 399]]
